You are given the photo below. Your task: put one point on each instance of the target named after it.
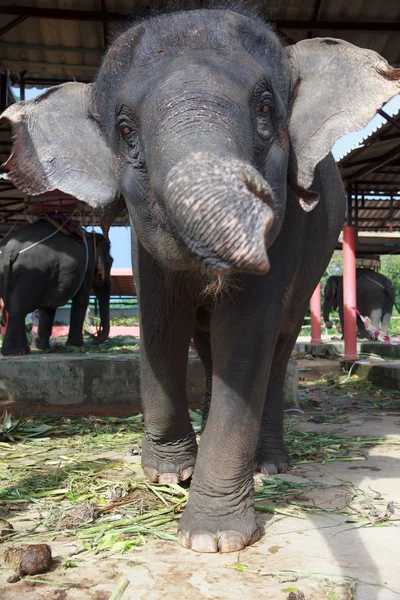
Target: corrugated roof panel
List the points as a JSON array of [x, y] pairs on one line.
[[93, 35]]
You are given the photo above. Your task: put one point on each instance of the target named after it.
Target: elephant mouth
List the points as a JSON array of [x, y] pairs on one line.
[[222, 209]]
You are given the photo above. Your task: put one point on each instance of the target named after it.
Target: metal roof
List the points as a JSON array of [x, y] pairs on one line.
[[371, 174], [43, 43], [65, 39]]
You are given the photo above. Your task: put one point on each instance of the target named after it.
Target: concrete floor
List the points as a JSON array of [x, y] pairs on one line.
[[322, 550]]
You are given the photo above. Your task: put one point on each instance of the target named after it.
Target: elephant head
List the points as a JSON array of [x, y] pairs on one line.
[[101, 284], [330, 297], [199, 119]]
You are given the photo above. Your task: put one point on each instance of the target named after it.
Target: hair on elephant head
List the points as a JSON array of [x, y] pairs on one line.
[[198, 118]]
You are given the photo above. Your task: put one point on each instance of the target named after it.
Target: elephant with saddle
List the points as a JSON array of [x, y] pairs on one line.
[[375, 299], [219, 139], [42, 268]]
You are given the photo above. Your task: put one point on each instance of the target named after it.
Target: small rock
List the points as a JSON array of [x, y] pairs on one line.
[[28, 560], [296, 595], [115, 493], [136, 450]]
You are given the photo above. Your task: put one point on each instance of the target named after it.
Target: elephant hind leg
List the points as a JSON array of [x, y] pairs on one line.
[[201, 338], [41, 340], [271, 455], [385, 321], [376, 317]]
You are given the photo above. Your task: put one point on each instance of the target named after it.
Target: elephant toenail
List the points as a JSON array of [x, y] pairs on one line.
[[231, 541], [269, 469], [204, 542], [186, 473], [168, 478], [152, 474], [183, 539]]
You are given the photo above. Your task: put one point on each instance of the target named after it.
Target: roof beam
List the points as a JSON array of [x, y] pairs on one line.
[[48, 82], [12, 24], [101, 16], [377, 183], [394, 122], [43, 47], [63, 14], [380, 162], [47, 65], [366, 161]]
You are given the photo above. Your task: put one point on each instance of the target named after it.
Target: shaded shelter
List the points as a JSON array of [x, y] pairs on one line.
[[42, 46]]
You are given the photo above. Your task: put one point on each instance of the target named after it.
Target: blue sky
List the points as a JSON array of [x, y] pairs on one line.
[[120, 236]]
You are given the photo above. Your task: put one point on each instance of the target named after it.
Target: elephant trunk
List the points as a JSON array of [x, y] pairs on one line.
[[222, 209], [103, 296]]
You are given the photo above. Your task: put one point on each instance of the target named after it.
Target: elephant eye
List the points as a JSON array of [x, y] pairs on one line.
[[265, 108], [126, 130]]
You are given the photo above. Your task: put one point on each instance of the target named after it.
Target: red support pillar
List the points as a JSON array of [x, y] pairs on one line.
[[315, 310], [349, 293]]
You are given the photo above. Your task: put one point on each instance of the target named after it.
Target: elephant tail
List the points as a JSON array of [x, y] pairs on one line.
[[9, 260]]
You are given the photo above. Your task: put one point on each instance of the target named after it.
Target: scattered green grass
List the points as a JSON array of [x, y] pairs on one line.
[[116, 345], [75, 477]]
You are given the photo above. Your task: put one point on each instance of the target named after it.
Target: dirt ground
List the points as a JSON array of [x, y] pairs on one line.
[[334, 535]]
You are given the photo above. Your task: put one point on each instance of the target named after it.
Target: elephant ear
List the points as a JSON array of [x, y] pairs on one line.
[[337, 88], [57, 143]]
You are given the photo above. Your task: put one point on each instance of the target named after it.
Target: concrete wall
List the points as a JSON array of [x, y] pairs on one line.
[[66, 380]]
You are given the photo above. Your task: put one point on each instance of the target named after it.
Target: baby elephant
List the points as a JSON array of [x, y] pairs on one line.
[[218, 138], [375, 299], [42, 268]]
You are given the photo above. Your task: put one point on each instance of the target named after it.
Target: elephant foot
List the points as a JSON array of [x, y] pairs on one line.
[[39, 344], [271, 461], [218, 524], [15, 351], [100, 337], [75, 343], [169, 462]]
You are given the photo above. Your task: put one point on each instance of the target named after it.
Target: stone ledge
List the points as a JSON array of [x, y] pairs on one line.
[[383, 374], [335, 349], [50, 380]]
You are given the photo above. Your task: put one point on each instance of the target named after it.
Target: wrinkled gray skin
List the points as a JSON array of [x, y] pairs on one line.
[[200, 118], [375, 299], [47, 276]]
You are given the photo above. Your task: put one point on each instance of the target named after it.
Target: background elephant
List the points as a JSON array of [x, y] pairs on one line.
[[46, 275], [375, 299], [200, 118]]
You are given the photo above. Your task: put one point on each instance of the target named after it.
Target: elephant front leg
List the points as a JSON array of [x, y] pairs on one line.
[[220, 515], [169, 445], [78, 312], [271, 455], [15, 341]]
